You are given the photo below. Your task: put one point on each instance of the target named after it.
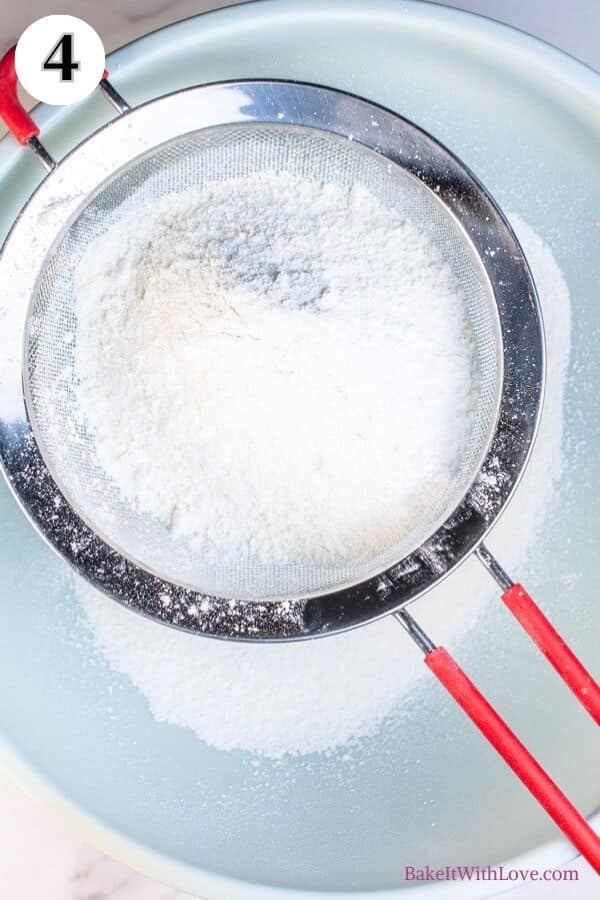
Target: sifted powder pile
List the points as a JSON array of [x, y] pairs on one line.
[[280, 371], [315, 696]]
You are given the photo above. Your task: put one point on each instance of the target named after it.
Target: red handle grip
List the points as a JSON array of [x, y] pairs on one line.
[[537, 626], [14, 115], [518, 757]]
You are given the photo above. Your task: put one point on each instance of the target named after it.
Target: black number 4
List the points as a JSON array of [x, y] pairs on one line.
[[61, 58]]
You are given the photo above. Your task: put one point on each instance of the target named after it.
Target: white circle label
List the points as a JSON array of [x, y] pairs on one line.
[[59, 59]]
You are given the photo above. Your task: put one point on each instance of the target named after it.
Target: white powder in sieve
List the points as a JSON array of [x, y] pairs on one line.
[[278, 370], [315, 696]]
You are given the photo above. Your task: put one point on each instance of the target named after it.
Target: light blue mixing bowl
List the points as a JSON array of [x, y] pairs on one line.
[[426, 789]]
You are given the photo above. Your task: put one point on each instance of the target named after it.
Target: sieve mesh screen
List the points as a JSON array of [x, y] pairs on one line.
[[222, 154]]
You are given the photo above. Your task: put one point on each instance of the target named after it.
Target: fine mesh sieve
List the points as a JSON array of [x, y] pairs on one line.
[[221, 132], [219, 156], [215, 134]]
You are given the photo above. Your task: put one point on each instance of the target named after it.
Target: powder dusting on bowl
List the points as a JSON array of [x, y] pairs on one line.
[[316, 696]]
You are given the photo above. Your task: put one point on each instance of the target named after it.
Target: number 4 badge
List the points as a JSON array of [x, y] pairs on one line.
[[59, 59]]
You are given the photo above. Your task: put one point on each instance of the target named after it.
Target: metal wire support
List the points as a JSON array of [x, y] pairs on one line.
[[113, 96], [415, 631], [42, 154], [494, 568]]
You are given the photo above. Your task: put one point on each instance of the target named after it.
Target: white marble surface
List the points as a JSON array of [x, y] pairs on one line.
[[41, 859], [117, 21]]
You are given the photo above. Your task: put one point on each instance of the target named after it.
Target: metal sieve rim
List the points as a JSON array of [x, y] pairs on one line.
[[69, 187]]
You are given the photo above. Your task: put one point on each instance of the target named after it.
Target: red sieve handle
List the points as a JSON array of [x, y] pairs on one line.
[[518, 757], [12, 112], [547, 638]]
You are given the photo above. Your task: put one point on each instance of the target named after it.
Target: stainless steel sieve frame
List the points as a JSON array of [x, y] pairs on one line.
[[69, 186]]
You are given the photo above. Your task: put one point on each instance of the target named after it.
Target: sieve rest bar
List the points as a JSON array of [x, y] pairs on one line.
[[112, 95], [421, 639], [42, 154], [545, 636], [15, 116], [494, 568], [501, 737], [12, 112], [20, 123]]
